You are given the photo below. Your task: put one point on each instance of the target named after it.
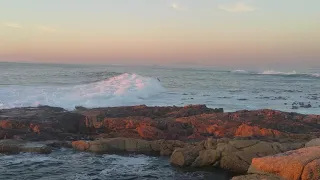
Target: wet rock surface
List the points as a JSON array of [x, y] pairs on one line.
[[257, 177], [152, 123], [234, 155], [193, 136], [17, 146], [313, 142]]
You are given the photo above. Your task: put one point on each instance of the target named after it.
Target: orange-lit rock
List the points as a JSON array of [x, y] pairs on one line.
[[245, 131], [195, 122], [234, 155], [35, 128], [149, 132], [80, 145], [10, 124], [257, 177], [311, 171], [6, 124], [291, 165]]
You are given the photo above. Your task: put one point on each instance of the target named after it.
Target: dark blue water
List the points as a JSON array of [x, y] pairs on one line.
[[69, 165]]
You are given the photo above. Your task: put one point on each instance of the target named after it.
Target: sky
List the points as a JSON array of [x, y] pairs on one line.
[[206, 32]]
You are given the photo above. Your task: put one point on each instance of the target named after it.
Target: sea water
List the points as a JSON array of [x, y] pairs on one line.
[[68, 86]]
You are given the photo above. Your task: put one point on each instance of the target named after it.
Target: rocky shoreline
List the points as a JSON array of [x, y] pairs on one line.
[[265, 144]]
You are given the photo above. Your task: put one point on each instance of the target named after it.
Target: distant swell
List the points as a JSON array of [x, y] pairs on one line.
[[240, 71], [316, 75], [125, 89], [278, 73], [271, 72]]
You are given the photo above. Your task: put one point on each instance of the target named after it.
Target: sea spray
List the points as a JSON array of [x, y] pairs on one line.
[[125, 89]]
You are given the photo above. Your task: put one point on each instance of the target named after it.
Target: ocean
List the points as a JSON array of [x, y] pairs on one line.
[[68, 86], [66, 164]]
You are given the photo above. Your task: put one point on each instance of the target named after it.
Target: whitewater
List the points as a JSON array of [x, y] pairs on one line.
[[124, 89], [69, 86], [272, 72]]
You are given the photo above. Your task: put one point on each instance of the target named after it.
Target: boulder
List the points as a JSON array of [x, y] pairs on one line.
[[166, 147], [234, 155], [17, 146], [245, 130], [313, 142], [138, 146], [59, 144], [291, 165], [71, 122], [283, 147], [262, 149], [149, 132], [238, 154], [246, 156], [206, 158], [243, 143], [81, 145], [257, 177], [114, 145], [312, 170], [232, 162], [185, 156], [210, 143], [223, 140], [224, 147]]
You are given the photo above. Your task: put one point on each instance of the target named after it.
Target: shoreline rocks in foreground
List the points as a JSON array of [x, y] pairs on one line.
[[299, 164], [193, 135], [260, 159], [231, 154], [16, 146]]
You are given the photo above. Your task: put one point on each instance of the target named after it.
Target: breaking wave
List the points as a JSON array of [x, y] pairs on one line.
[[292, 73], [271, 72], [240, 71], [279, 73], [125, 89]]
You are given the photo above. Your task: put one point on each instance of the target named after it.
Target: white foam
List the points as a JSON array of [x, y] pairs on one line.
[[239, 71], [125, 89], [271, 72], [25, 157], [129, 160], [316, 75], [134, 165]]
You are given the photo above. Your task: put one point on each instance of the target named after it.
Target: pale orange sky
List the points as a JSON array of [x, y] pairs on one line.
[[221, 32]]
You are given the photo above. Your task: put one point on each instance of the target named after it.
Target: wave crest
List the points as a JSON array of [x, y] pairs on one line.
[[277, 73], [124, 89], [240, 71], [316, 75], [271, 72]]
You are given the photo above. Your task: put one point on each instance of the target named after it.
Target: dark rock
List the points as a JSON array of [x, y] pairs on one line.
[[233, 155], [17, 146], [242, 99], [257, 177], [184, 123], [185, 156]]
